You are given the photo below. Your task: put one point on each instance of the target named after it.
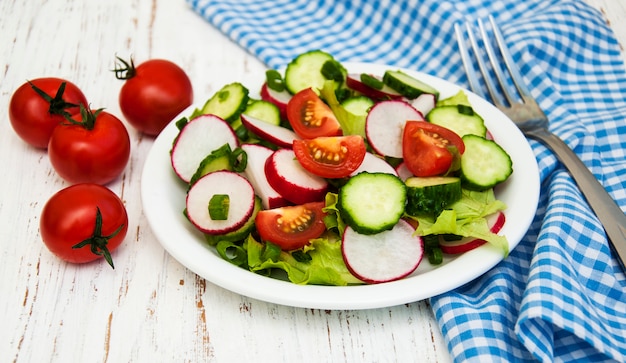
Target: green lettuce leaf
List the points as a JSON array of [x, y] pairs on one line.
[[467, 218], [351, 124], [324, 266]]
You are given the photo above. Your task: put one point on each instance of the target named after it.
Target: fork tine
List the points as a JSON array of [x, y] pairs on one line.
[[467, 63], [491, 87], [495, 65], [508, 61]]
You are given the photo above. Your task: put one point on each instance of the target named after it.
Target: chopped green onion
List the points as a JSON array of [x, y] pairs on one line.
[[332, 70], [274, 80], [465, 110], [181, 123], [239, 160], [372, 81], [218, 207], [232, 253], [435, 256]]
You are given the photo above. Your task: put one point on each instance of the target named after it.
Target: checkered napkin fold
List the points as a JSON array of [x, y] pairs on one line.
[[559, 296]]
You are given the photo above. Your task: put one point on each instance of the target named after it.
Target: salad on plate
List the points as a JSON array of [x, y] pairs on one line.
[[339, 178]]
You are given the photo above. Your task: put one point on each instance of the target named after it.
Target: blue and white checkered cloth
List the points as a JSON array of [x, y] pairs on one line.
[[559, 296]]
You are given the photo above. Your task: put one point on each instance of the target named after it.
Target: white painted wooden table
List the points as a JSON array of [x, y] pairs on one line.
[[151, 308]]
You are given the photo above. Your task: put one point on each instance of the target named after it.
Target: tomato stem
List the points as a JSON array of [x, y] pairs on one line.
[[97, 242], [125, 70], [87, 118], [58, 105]]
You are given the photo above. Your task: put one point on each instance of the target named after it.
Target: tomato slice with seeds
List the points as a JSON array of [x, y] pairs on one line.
[[310, 117], [429, 149], [291, 227], [330, 157]]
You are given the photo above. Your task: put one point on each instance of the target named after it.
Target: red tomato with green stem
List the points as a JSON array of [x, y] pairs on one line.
[[153, 94], [95, 149], [330, 157], [310, 117], [291, 227], [84, 222], [38, 106], [429, 149]]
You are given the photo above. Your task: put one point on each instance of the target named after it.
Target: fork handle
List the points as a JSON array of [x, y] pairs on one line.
[[606, 209]]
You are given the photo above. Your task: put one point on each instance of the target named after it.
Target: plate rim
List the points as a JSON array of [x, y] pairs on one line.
[[189, 251]]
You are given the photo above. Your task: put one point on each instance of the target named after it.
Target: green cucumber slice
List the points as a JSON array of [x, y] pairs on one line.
[[484, 163], [372, 202], [431, 195], [459, 118], [407, 85]]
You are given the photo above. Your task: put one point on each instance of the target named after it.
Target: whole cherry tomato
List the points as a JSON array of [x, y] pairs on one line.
[[38, 106], [95, 149], [154, 93], [83, 222]]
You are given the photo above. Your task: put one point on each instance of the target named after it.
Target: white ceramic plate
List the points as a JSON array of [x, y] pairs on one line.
[[163, 196]]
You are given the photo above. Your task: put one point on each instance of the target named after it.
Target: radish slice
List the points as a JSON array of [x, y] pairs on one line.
[[495, 222], [277, 135], [403, 172], [221, 183], [198, 139], [280, 99], [382, 257], [385, 123], [354, 82], [424, 103], [374, 164], [255, 173], [285, 175]]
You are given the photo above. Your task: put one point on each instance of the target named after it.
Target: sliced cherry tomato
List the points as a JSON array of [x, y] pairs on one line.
[[154, 93], [38, 106], [330, 157], [310, 117], [83, 222], [430, 149], [94, 150], [291, 227]]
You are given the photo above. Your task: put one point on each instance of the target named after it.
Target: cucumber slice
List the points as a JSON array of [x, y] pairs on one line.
[[305, 71], [264, 110], [218, 159], [459, 118], [408, 86], [431, 194], [228, 103], [372, 202], [484, 163], [358, 105]]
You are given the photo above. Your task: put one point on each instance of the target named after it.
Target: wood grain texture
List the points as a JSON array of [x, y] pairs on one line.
[[151, 308]]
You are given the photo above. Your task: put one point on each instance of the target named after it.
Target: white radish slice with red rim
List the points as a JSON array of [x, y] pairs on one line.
[[220, 184], [385, 123], [403, 172], [353, 81], [495, 221], [198, 138], [285, 175], [382, 257], [374, 164], [279, 98], [277, 135], [424, 103], [257, 156]]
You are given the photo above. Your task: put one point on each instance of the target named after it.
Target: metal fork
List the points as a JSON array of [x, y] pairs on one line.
[[526, 114]]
